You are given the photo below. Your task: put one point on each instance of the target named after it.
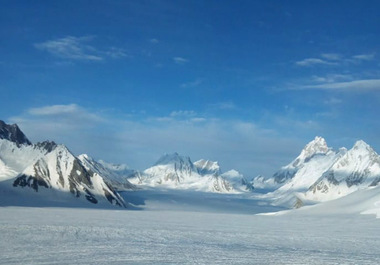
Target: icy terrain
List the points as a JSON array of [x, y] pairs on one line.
[[101, 236], [180, 212]]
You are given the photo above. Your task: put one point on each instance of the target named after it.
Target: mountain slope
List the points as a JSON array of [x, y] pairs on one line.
[[13, 134], [317, 147], [59, 169], [179, 172], [47, 165], [358, 168], [116, 175], [321, 174]]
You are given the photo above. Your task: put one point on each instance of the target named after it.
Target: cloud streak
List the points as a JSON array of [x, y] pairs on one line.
[[355, 85], [180, 60], [195, 83], [364, 57], [234, 143], [77, 48], [314, 61], [70, 48]]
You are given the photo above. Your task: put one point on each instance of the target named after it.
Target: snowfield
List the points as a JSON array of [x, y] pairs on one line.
[[56, 208], [172, 228]]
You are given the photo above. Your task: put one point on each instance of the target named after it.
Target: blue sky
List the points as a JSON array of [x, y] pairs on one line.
[[246, 83]]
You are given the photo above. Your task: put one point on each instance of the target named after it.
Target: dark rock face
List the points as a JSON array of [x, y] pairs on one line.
[[30, 181], [283, 175], [47, 145], [13, 133]]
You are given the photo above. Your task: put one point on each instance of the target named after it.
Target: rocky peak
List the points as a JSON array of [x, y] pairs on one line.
[[47, 145], [317, 146], [175, 158], [361, 145], [206, 167], [13, 133]]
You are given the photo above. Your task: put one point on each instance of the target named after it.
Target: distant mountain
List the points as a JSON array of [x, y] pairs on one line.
[[316, 148], [47, 165], [115, 174], [13, 133], [319, 174], [358, 168], [179, 172]]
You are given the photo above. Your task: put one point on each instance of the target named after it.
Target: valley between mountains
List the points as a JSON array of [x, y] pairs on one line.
[[47, 173]]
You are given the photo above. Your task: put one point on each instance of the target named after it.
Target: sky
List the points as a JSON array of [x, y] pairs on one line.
[[245, 83]]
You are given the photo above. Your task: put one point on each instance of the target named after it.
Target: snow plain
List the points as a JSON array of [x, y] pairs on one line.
[[172, 227]]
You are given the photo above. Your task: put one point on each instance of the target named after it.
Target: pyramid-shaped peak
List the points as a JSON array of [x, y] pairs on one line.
[[318, 145], [207, 166], [13, 133], [172, 159], [361, 146]]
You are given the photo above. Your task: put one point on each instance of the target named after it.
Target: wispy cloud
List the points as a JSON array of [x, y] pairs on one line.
[[364, 57], [355, 85], [335, 59], [116, 53], [71, 48], [331, 56], [224, 105], [180, 60], [194, 83], [154, 40], [183, 113], [78, 48], [54, 110], [72, 114], [314, 61], [140, 142], [332, 78], [333, 101]]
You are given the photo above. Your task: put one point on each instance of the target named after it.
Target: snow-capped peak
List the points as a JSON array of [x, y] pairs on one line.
[[114, 167], [361, 145], [173, 158], [13, 133], [317, 146], [207, 167]]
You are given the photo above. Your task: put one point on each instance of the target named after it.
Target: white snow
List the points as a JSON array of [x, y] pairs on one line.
[[168, 231]]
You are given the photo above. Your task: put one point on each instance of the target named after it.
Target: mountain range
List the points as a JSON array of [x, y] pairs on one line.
[[47, 165], [318, 174]]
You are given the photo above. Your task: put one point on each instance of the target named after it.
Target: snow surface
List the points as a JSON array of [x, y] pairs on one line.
[[49, 235]]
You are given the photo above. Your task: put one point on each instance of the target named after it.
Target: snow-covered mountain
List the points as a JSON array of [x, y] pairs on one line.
[[51, 166], [358, 168], [319, 174], [179, 172], [316, 149], [115, 174], [13, 133]]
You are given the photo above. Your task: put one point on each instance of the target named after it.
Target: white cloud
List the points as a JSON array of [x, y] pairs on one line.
[[71, 48], [54, 109], [234, 143], [70, 111], [77, 48], [116, 53], [331, 56], [194, 83], [154, 40], [332, 78], [314, 61], [355, 85], [180, 60], [364, 57], [225, 105], [183, 113], [333, 101]]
